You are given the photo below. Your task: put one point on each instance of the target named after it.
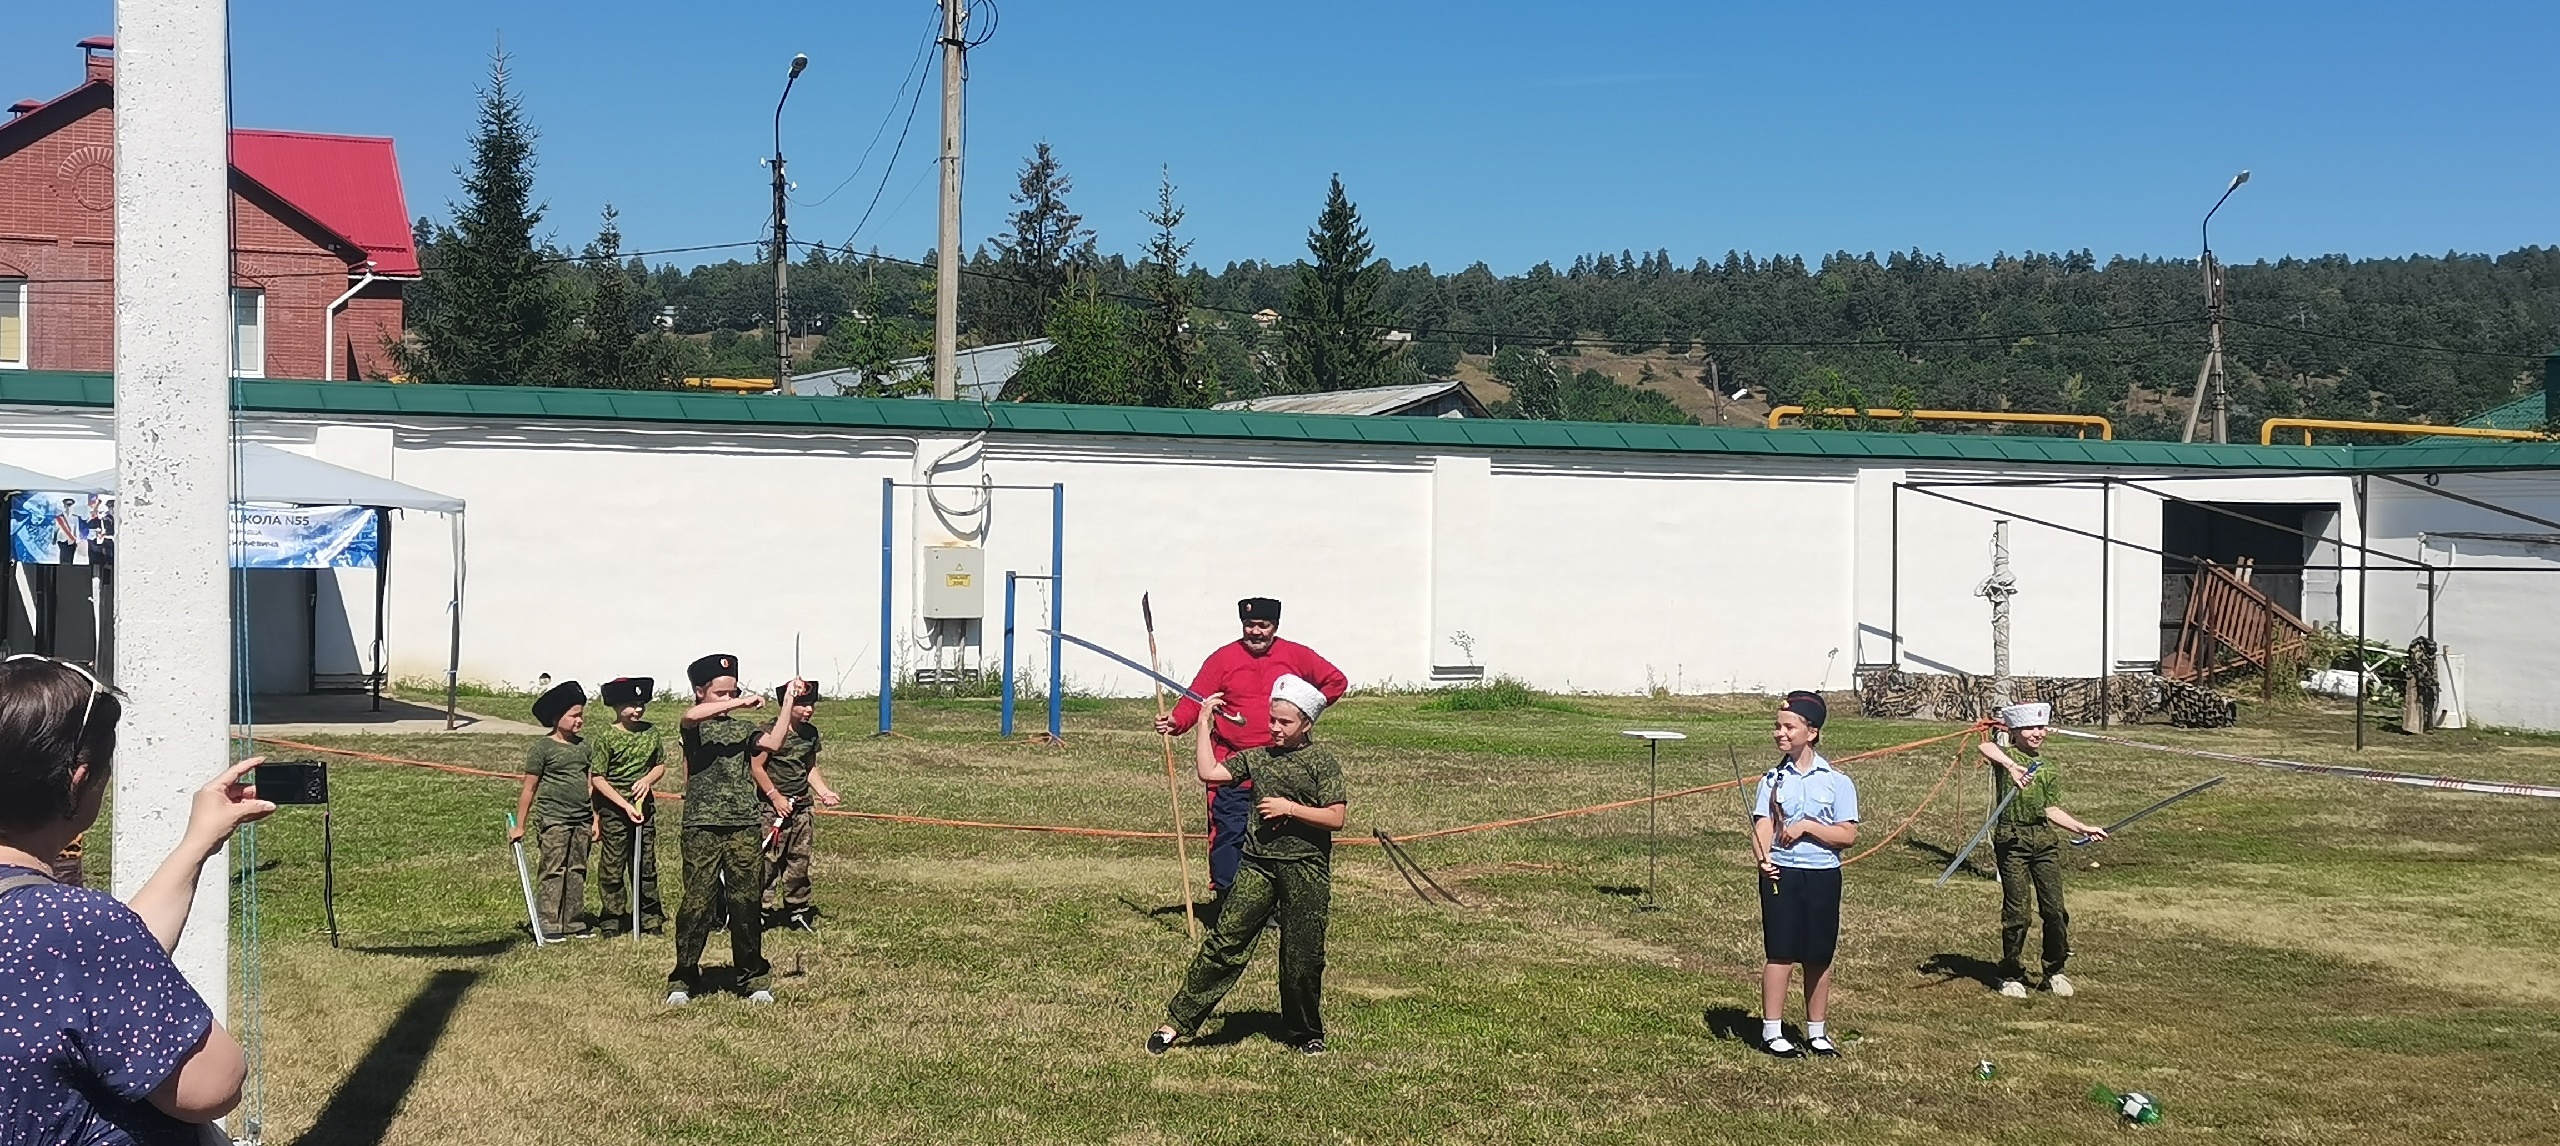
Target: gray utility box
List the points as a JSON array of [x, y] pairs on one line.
[[955, 583]]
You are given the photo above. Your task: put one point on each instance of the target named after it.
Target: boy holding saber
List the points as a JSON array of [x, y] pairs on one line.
[[2028, 852]]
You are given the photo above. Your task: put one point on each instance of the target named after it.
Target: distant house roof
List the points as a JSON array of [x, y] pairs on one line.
[[348, 183], [2526, 413], [1450, 399], [982, 370]]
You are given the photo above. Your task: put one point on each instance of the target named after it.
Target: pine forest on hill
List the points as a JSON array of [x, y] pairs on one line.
[[1612, 337]]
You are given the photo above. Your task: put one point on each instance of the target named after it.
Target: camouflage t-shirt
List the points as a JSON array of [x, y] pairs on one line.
[[623, 756], [719, 790], [789, 766], [2043, 790], [1306, 775], [560, 782]]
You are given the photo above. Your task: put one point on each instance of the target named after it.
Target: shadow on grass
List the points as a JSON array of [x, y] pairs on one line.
[[370, 1096], [1622, 891], [1942, 856], [478, 949], [1733, 1024], [1169, 916], [1236, 1026], [1947, 967]]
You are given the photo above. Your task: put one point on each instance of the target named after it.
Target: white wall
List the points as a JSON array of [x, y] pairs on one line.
[[602, 550], [2501, 623]]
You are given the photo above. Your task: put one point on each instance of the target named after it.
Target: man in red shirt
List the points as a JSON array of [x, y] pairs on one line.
[[1244, 672]]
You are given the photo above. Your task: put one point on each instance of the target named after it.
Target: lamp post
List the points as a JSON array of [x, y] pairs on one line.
[[2209, 379], [782, 239]]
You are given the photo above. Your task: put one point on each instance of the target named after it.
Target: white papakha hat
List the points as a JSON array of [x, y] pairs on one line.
[[1300, 693], [2036, 714]]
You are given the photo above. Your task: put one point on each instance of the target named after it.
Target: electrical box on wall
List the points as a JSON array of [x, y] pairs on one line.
[[955, 583]]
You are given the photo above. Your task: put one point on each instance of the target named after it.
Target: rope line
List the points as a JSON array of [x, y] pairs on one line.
[[1952, 767], [1137, 834], [2411, 779]]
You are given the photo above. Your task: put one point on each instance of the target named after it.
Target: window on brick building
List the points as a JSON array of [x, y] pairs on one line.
[[249, 333], [13, 324]]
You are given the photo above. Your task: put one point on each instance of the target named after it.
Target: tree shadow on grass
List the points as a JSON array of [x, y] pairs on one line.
[[1236, 1026], [369, 1097], [1948, 967]]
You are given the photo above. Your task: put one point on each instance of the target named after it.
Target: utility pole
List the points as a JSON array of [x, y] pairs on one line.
[[2210, 387], [1997, 589], [946, 257], [782, 239]]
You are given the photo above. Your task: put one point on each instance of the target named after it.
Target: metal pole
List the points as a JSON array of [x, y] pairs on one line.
[[946, 256], [453, 646], [1057, 605], [2364, 538], [1652, 819], [1005, 720], [2106, 601], [2209, 380], [1893, 608], [782, 240], [888, 519], [381, 596]]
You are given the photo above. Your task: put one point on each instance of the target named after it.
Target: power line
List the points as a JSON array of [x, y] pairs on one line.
[[916, 71]]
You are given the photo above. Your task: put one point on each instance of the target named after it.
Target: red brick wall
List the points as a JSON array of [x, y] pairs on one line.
[[57, 227]]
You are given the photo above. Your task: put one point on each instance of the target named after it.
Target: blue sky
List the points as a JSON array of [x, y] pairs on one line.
[[1502, 132]]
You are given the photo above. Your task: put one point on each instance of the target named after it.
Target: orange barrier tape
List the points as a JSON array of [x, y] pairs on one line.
[[1133, 834], [1952, 767]]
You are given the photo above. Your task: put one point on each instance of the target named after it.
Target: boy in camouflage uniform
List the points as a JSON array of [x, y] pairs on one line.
[[787, 772], [1286, 871], [630, 758], [558, 783], [724, 822], [2029, 854]]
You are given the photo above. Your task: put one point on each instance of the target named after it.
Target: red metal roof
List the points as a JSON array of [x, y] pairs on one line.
[[348, 183]]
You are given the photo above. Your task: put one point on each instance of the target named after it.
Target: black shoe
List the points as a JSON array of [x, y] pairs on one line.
[[1779, 1047], [1159, 1042], [1312, 1046], [1822, 1047]]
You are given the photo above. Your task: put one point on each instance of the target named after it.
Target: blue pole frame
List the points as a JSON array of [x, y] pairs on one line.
[[888, 520], [1005, 722]]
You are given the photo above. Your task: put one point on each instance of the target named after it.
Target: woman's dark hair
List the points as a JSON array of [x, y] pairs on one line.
[[42, 739]]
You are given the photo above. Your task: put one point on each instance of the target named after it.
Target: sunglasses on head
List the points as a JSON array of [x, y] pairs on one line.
[[97, 688]]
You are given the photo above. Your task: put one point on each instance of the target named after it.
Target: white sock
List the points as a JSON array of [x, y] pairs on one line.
[[1770, 1029], [1816, 1030]]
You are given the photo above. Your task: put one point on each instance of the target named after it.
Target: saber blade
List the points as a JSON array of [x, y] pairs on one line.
[[2119, 825], [1987, 824], [524, 875], [1174, 686]]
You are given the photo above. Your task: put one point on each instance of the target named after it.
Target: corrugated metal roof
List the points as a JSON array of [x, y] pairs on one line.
[[349, 183], [381, 399], [1369, 401], [2526, 413], [981, 371]]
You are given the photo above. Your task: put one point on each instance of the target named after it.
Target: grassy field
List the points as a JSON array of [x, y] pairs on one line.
[[2285, 959]]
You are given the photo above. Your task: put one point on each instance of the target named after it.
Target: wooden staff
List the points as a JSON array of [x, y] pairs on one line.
[[1172, 784]]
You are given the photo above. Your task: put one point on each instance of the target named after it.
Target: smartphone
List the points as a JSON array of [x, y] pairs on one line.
[[291, 781]]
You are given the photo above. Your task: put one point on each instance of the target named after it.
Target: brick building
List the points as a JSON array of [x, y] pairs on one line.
[[320, 240]]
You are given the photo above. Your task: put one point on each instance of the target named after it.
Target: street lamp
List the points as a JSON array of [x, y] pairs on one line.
[[782, 239], [2209, 378]]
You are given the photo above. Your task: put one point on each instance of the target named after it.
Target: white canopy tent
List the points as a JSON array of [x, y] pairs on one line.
[[270, 476], [16, 480]]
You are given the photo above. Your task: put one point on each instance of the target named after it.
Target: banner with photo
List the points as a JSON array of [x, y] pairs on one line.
[[314, 537], [55, 528]]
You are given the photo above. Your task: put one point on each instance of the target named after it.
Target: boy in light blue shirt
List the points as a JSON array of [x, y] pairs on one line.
[[1803, 816]]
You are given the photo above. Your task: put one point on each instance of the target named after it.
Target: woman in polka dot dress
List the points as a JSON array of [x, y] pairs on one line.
[[101, 1039]]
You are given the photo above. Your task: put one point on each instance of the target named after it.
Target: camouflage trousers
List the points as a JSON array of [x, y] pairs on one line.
[[613, 863], [787, 861], [2030, 861], [723, 870], [560, 885], [1298, 894]]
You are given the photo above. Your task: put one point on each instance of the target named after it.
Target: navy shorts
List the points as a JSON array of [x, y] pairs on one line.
[[1800, 915]]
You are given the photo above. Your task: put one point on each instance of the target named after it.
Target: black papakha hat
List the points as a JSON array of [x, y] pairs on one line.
[[711, 668], [1804, 704], [1258, 609], [782, 695], [627, 691], [551, 706]]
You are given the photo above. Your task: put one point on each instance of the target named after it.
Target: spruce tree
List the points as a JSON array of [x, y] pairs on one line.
[[1167, 370], [497, 314], [1048, 242], [617, 348], [1331, 331]]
